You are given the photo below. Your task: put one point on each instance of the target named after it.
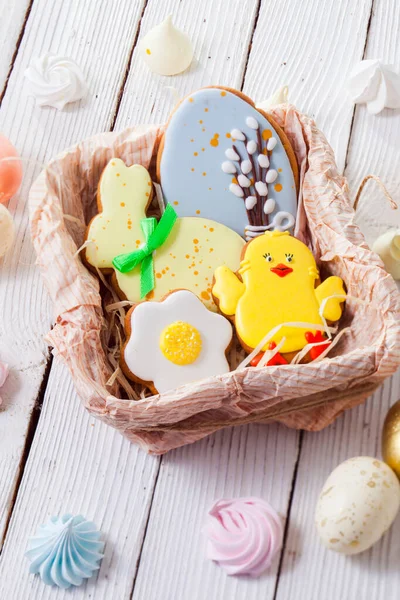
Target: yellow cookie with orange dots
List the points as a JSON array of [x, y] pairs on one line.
[[188, 258]]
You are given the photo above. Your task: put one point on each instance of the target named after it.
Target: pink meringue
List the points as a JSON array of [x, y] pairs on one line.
[[244, 535], [3, 374]]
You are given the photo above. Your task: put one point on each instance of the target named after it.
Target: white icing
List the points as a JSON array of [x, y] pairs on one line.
[[261, 188], [228, 167], [263, 161], [250, 202], [166, 49], [272, 142], [271, 176], [282, 221], [144, 357], [269, 206], [231, 154], [252, 231], [252, 123], [238, 135], [251, 147], [375, 84], [278, 97], [244, 181], [246, 166], [236, 189], [55, 81], [7, 230]]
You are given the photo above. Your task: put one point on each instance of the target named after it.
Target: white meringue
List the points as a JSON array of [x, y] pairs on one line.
[[55, 81], [375, 84], [388, 247], [7, 230], [166, 50], [278, 97]]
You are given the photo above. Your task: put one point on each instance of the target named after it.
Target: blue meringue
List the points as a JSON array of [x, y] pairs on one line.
[[65, 551]]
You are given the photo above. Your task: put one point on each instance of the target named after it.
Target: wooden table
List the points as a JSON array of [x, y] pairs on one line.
[[54, 458]]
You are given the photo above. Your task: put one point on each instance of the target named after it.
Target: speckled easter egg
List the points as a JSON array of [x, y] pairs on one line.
[[6, 230], [357, 504]]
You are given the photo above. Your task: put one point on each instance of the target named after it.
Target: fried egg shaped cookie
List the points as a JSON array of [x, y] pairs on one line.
[[175, 341]]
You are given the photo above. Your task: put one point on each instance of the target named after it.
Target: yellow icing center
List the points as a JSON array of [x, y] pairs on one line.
[[181, 343]]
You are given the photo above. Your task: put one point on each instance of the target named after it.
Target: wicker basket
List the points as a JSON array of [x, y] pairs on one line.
[[310, 396]]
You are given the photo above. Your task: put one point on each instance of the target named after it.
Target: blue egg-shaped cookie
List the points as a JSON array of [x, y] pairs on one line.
[[222, 159]]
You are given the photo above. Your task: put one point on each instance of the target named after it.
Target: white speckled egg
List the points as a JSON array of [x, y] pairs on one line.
[[357, 504]]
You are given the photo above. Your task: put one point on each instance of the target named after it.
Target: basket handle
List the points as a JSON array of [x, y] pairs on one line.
[[378, 180]]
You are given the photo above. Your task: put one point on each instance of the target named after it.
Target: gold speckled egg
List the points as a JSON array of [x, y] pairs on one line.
[[391, 438], [357, 504]]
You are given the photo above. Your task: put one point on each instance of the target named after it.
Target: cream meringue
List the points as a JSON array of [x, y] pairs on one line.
[[166, 50], [6, 230], [375, 84], [244, 535], [55, 81], [388, 247], [278, 97]]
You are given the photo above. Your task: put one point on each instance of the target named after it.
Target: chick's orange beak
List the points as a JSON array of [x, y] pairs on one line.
[[281, 270]]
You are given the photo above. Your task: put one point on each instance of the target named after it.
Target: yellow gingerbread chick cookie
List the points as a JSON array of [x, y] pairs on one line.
[[187, 259], [276, 284]]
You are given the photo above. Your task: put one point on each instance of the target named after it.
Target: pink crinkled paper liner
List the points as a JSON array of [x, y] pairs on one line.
[[310, 396]]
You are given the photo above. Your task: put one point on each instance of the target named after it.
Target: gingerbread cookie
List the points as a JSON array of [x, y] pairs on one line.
[[276, 284], [187, 259], [224, 159], [175, 341]]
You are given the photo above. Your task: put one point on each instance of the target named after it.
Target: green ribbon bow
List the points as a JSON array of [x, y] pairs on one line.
[[155, 236]]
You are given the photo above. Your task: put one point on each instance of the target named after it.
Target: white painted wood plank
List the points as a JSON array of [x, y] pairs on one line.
[[221, 33], [182, 499], [310, 46], [372, 574], [13, 14], [82, 31], [374, 146], [79, 465], [245, 461], [309, 570]]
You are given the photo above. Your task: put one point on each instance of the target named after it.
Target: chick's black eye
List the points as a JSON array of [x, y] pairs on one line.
[[289, 258], [268, 257]]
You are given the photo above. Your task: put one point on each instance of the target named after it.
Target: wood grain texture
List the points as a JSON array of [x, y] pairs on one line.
[[358, 432], [245, 461], [221, 35], [309, 570], [74, 29], [374, 146], [82, 467], [311, 47], [13, 15]]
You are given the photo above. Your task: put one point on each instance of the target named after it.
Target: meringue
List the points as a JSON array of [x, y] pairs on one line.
[[244, 535], [388, 247], [278, 97], [166, 50], [3, 375], [65, 551], [7, 230], [55, 81], [375, 84]]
